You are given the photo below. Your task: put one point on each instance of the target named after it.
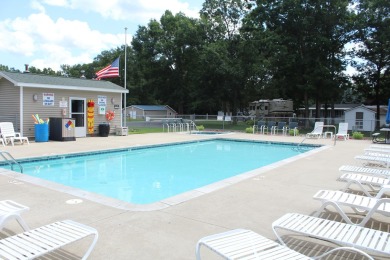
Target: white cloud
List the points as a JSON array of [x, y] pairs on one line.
[[135, 10], [44, 41], [58, 42]]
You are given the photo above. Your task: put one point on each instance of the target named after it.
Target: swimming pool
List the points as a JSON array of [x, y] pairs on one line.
[[144, 175]]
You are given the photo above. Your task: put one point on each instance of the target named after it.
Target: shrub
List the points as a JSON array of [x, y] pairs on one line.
[[249, 122], [249, 130], [357, 135], [291, 132], [199, 127]]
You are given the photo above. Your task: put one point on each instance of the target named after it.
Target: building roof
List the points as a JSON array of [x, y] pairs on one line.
[[382, 109], [336, 106], [152, 107], [56, 82], [360, 107]]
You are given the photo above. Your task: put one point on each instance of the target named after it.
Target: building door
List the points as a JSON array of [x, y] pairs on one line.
[[77, 112], [359, 121]]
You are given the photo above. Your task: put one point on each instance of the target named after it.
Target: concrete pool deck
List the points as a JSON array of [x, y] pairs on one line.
[[172, 232]]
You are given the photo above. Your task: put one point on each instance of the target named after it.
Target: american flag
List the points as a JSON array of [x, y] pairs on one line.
[[111, 71]]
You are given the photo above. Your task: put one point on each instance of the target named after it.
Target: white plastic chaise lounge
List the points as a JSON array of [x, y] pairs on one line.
[[382, 147], [374, 160], [365, 170], [342, 131], [246, 244], [40, 241], [377, 150], [363, 205], [317, 131], [10, 210], [368, 184], [377, 154], [343, 234], [9, 134]]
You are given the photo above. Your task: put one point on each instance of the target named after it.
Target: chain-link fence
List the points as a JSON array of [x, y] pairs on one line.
[[243, 123]]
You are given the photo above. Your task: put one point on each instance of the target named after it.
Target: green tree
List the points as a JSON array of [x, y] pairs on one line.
[[166, 54], [222, 20], [373, 49], [309, 35]]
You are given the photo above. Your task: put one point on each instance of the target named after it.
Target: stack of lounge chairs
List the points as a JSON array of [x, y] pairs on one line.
[[350, 236], [33, 243]]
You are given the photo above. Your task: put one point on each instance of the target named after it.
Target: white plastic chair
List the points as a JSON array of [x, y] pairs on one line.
[[317, 131], [373, 183], [366, 206], [9, 134], [342, 131], [40, 241], [365, 170], [375, 160], [10, 210], [343, 234], [246, 244]]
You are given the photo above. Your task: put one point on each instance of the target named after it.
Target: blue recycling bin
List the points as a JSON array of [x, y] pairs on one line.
[[41, 132]]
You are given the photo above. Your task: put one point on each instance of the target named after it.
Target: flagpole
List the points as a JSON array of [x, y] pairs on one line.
[[125, 108]]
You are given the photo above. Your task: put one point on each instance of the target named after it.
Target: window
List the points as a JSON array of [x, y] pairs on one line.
[[359, 120]]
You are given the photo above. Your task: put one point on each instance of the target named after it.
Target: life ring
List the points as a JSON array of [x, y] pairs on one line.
[[110, 115]]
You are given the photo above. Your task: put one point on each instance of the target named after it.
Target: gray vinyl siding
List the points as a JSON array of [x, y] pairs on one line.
[[9, 103], [36, 107]]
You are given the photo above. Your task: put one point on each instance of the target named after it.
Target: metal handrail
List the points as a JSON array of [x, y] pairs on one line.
[[335, 139], [10, 160]]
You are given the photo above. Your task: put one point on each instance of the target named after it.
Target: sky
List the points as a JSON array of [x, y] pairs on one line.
[[50, 33]]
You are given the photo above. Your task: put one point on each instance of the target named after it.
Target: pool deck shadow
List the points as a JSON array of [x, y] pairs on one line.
[[172, 230]]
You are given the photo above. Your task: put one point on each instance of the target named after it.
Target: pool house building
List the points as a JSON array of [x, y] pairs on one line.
[[86, 101]]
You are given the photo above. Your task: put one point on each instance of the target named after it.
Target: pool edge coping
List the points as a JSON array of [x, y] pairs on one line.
[[165, 203]]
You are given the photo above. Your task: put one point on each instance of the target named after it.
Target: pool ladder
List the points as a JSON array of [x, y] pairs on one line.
[[10, 160]]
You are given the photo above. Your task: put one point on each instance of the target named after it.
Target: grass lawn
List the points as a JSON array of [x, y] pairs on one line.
[[144, 130]]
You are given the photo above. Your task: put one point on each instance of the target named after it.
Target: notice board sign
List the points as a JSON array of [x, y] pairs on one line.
[[48, 99], [102, 101]]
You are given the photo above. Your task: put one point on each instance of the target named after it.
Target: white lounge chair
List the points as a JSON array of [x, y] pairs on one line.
[[365, 170], [246, 244], [377, 161], [228, 117], [10, 210], [359, 204], [342, 131], [380, 146], [220, 116], [9, 134], [377, 154], [343, 234], [317, 131], [40, 241], [374, 183], [377, 150]]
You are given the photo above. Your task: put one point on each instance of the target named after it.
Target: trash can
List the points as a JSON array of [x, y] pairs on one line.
[[104, 130], [41, 132]]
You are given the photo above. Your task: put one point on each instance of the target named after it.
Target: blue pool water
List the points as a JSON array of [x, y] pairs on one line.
[[145, 175]]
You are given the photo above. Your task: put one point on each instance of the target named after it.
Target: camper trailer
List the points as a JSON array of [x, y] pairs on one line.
[[274, 108]]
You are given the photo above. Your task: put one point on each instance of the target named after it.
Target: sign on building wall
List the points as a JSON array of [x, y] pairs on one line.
[[48, 99], [102, 101], [102, 110]]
